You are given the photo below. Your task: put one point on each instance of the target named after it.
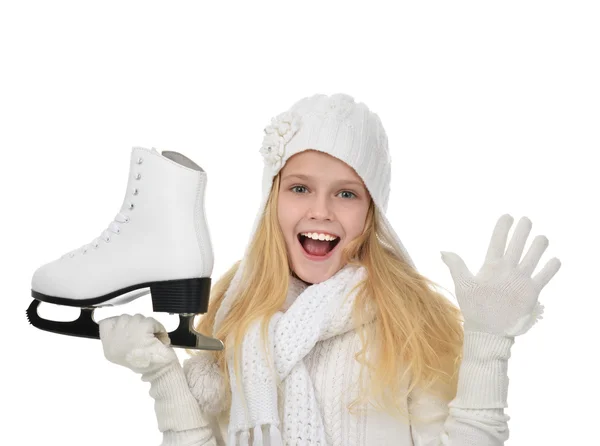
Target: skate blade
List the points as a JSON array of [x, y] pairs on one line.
[[184, 336], [84, 326]]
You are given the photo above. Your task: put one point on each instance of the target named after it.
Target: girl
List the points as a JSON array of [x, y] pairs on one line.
[[331, 335]]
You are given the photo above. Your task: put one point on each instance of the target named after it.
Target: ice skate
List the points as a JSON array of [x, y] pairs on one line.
[[158, 243]]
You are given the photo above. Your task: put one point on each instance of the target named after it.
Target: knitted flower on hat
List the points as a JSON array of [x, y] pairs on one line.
[[277, 134]]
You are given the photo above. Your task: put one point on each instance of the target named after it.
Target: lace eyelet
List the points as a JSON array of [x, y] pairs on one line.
[[107, 239], [140, 160], [127, 219], [135, 191], [130, 205], [138, 176], [118, 231]]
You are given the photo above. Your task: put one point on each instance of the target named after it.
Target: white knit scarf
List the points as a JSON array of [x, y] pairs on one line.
[[319, 312]]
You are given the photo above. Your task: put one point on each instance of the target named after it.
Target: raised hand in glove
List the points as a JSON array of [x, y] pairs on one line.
[[139, 343], [503, 297]]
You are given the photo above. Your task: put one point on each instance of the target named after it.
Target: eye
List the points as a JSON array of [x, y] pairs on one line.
[[293, 188]]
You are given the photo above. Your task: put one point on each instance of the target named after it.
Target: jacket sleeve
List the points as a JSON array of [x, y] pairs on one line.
[[178, 414], [475, 417]]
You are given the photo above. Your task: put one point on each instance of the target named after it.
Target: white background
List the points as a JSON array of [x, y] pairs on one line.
[[490, 108]]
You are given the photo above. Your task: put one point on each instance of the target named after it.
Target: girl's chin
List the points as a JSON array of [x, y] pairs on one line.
[[315, 271]]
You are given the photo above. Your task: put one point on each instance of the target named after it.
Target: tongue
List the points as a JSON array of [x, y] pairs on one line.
[[317, 247]]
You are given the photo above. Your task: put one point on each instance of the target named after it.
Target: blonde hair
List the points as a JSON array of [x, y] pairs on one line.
[[416, 333]]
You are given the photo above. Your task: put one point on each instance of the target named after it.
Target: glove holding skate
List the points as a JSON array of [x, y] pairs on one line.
[[136, 342], [503, 297]]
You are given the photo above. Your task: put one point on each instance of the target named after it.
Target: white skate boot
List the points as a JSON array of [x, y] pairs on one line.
[[158, 243]]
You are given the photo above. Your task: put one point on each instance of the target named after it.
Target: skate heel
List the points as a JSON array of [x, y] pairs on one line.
[[186, 297], [181, 296]]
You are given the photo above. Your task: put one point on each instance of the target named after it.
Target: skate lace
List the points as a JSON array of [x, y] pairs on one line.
[[113, 227]]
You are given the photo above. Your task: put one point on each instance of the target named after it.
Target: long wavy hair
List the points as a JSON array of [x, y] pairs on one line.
[[416, 335]]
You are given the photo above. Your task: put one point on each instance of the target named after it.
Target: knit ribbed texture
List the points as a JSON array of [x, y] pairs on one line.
[[175, 406], [359, 141], [483, 378]]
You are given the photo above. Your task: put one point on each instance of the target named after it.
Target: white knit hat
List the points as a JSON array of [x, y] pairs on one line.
[[340, 127]]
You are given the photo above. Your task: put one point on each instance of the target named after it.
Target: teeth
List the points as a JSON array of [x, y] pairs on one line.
[[317, 236]]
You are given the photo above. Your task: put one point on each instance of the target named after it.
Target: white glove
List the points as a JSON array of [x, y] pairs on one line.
[[139, 343], [503, 297]]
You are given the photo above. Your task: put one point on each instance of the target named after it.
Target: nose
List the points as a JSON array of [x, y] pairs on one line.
[[320, 208]]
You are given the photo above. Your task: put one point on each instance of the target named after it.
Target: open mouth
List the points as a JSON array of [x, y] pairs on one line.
[[317, 248]]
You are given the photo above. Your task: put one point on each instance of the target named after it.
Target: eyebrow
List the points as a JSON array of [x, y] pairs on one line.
[[308, 178]]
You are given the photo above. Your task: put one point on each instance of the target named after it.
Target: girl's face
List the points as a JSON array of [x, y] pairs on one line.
[[319, 194]]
